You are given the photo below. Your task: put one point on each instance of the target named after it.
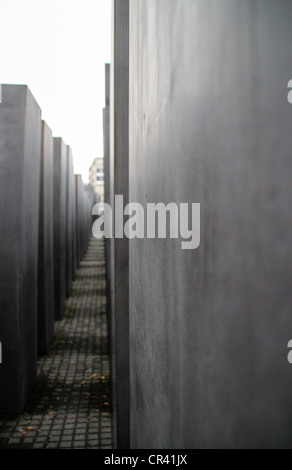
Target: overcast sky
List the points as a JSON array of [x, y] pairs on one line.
[[58, 48]]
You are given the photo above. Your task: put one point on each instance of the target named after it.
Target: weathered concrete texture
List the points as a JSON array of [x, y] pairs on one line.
[[46, 300], [210, 123], [20, 149], [119, 177], [69, 220], [60, 179]]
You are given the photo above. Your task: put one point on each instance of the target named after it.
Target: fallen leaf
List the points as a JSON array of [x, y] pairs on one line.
[[29, 428]]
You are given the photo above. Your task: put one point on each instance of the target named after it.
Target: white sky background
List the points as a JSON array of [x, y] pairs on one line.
[[58, 48]]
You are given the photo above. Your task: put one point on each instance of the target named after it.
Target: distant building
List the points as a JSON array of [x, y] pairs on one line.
[[96, 177]]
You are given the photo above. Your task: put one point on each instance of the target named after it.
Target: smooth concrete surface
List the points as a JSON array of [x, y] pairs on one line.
[[60, 191], [210, 123], [69, 220], [78, 202], [82, 219], [106, 134], [92, 199], [119, 175], [90, 202], [46, 300], [74, 233], [20, 149], [107, 197], [84, 200], [109, 243]]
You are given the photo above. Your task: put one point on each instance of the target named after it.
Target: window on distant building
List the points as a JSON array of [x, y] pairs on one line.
[[100, 178]]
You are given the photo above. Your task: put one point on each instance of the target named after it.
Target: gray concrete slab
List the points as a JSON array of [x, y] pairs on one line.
[[69, 220], [107, 196], [46, 298], [90, 202], [210, 123], [82, 217], [60, 177], [78, 201], [20, 149], [74, 233], [119, 175]]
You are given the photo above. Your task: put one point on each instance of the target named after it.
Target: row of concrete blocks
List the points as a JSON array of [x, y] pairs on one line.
[[45, 223]]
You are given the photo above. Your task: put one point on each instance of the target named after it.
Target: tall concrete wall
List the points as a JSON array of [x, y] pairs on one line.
[[46, 298], [119, 181], [74, 233], [106, 136], [107, 200], [90, 201], [20, 150], [109, 164], [79, 189], [209, 123], [60, 191], [69, 220], [77, 177]]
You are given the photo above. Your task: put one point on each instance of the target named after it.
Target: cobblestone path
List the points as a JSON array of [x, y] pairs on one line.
[[70, 405]]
